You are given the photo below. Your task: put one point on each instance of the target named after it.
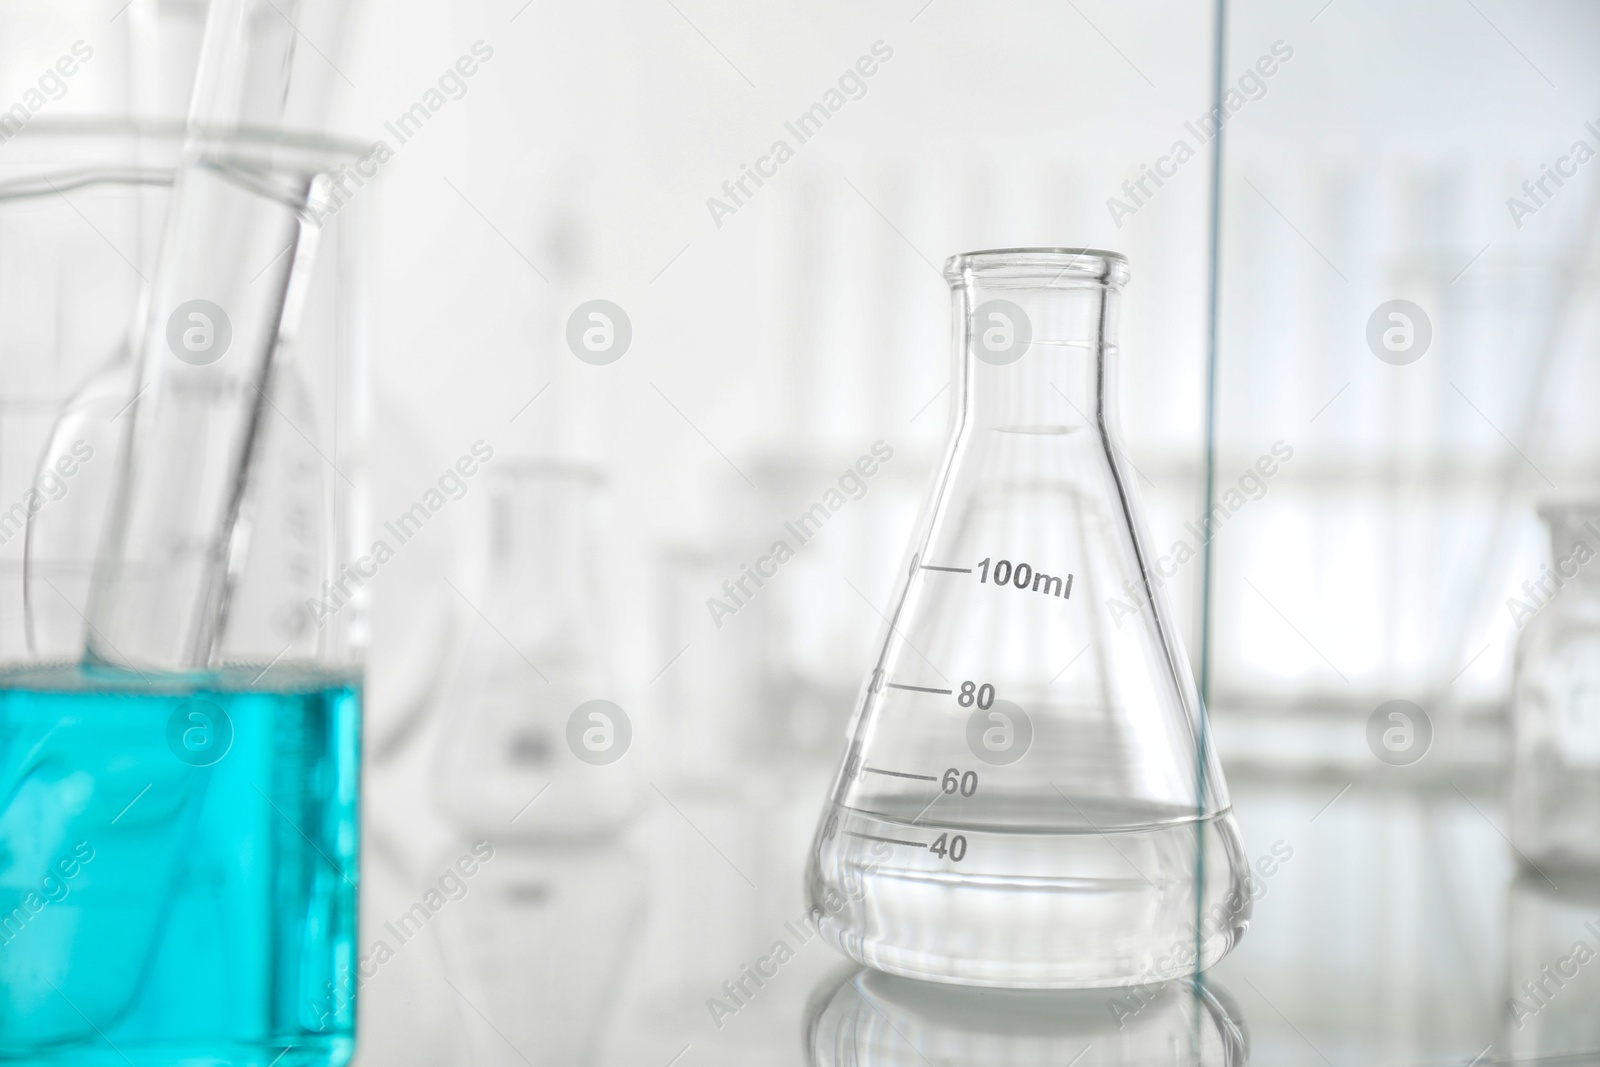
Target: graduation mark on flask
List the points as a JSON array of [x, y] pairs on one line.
[[917, 688], [953, 846], [953, 781], [900, 774], [1023, 576], [980, 693]]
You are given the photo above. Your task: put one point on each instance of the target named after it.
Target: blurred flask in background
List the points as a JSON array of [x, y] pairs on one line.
[[1555, 723], [713, 715], [542, 944], [416, 617], [531, 747]]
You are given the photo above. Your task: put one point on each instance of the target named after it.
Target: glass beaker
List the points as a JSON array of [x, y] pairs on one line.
[[1028, 797], [531, 746], [1555, 719], [178, 849]]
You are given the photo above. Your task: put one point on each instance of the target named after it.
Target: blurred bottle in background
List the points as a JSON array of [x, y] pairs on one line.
[[1555, 722]]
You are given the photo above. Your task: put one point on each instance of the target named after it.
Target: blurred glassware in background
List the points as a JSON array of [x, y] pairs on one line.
[[1552, 967], [407, 1014], [531, 746], [1555, 716], [1424, 347], [879, 1020], [841, 342], [726, 771], [136, 64], [1028, 797], [539, 943], [806, 632], [713, 715], [416, 616]]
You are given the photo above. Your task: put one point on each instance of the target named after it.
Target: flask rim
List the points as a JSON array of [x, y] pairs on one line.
[[1047, 268]]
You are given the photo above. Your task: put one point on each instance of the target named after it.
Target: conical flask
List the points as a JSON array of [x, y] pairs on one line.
[[1028, 797], [531, 749]]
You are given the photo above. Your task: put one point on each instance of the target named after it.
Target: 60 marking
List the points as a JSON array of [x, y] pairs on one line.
[[956, 782]]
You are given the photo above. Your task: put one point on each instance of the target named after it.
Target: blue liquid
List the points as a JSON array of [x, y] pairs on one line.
[[178, 859]]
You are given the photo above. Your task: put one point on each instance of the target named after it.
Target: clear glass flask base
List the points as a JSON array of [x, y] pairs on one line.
[[1153, 900]]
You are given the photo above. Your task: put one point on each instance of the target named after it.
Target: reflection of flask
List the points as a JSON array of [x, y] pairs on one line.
[[530, 746], [1555, 769], [409, 1017], [539, 944], [1553, 966], [1028, 797], [879, 1020]]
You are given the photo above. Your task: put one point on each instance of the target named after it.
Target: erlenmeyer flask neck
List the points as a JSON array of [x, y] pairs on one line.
[[541, 522], [1035, 338], [544, 567]]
